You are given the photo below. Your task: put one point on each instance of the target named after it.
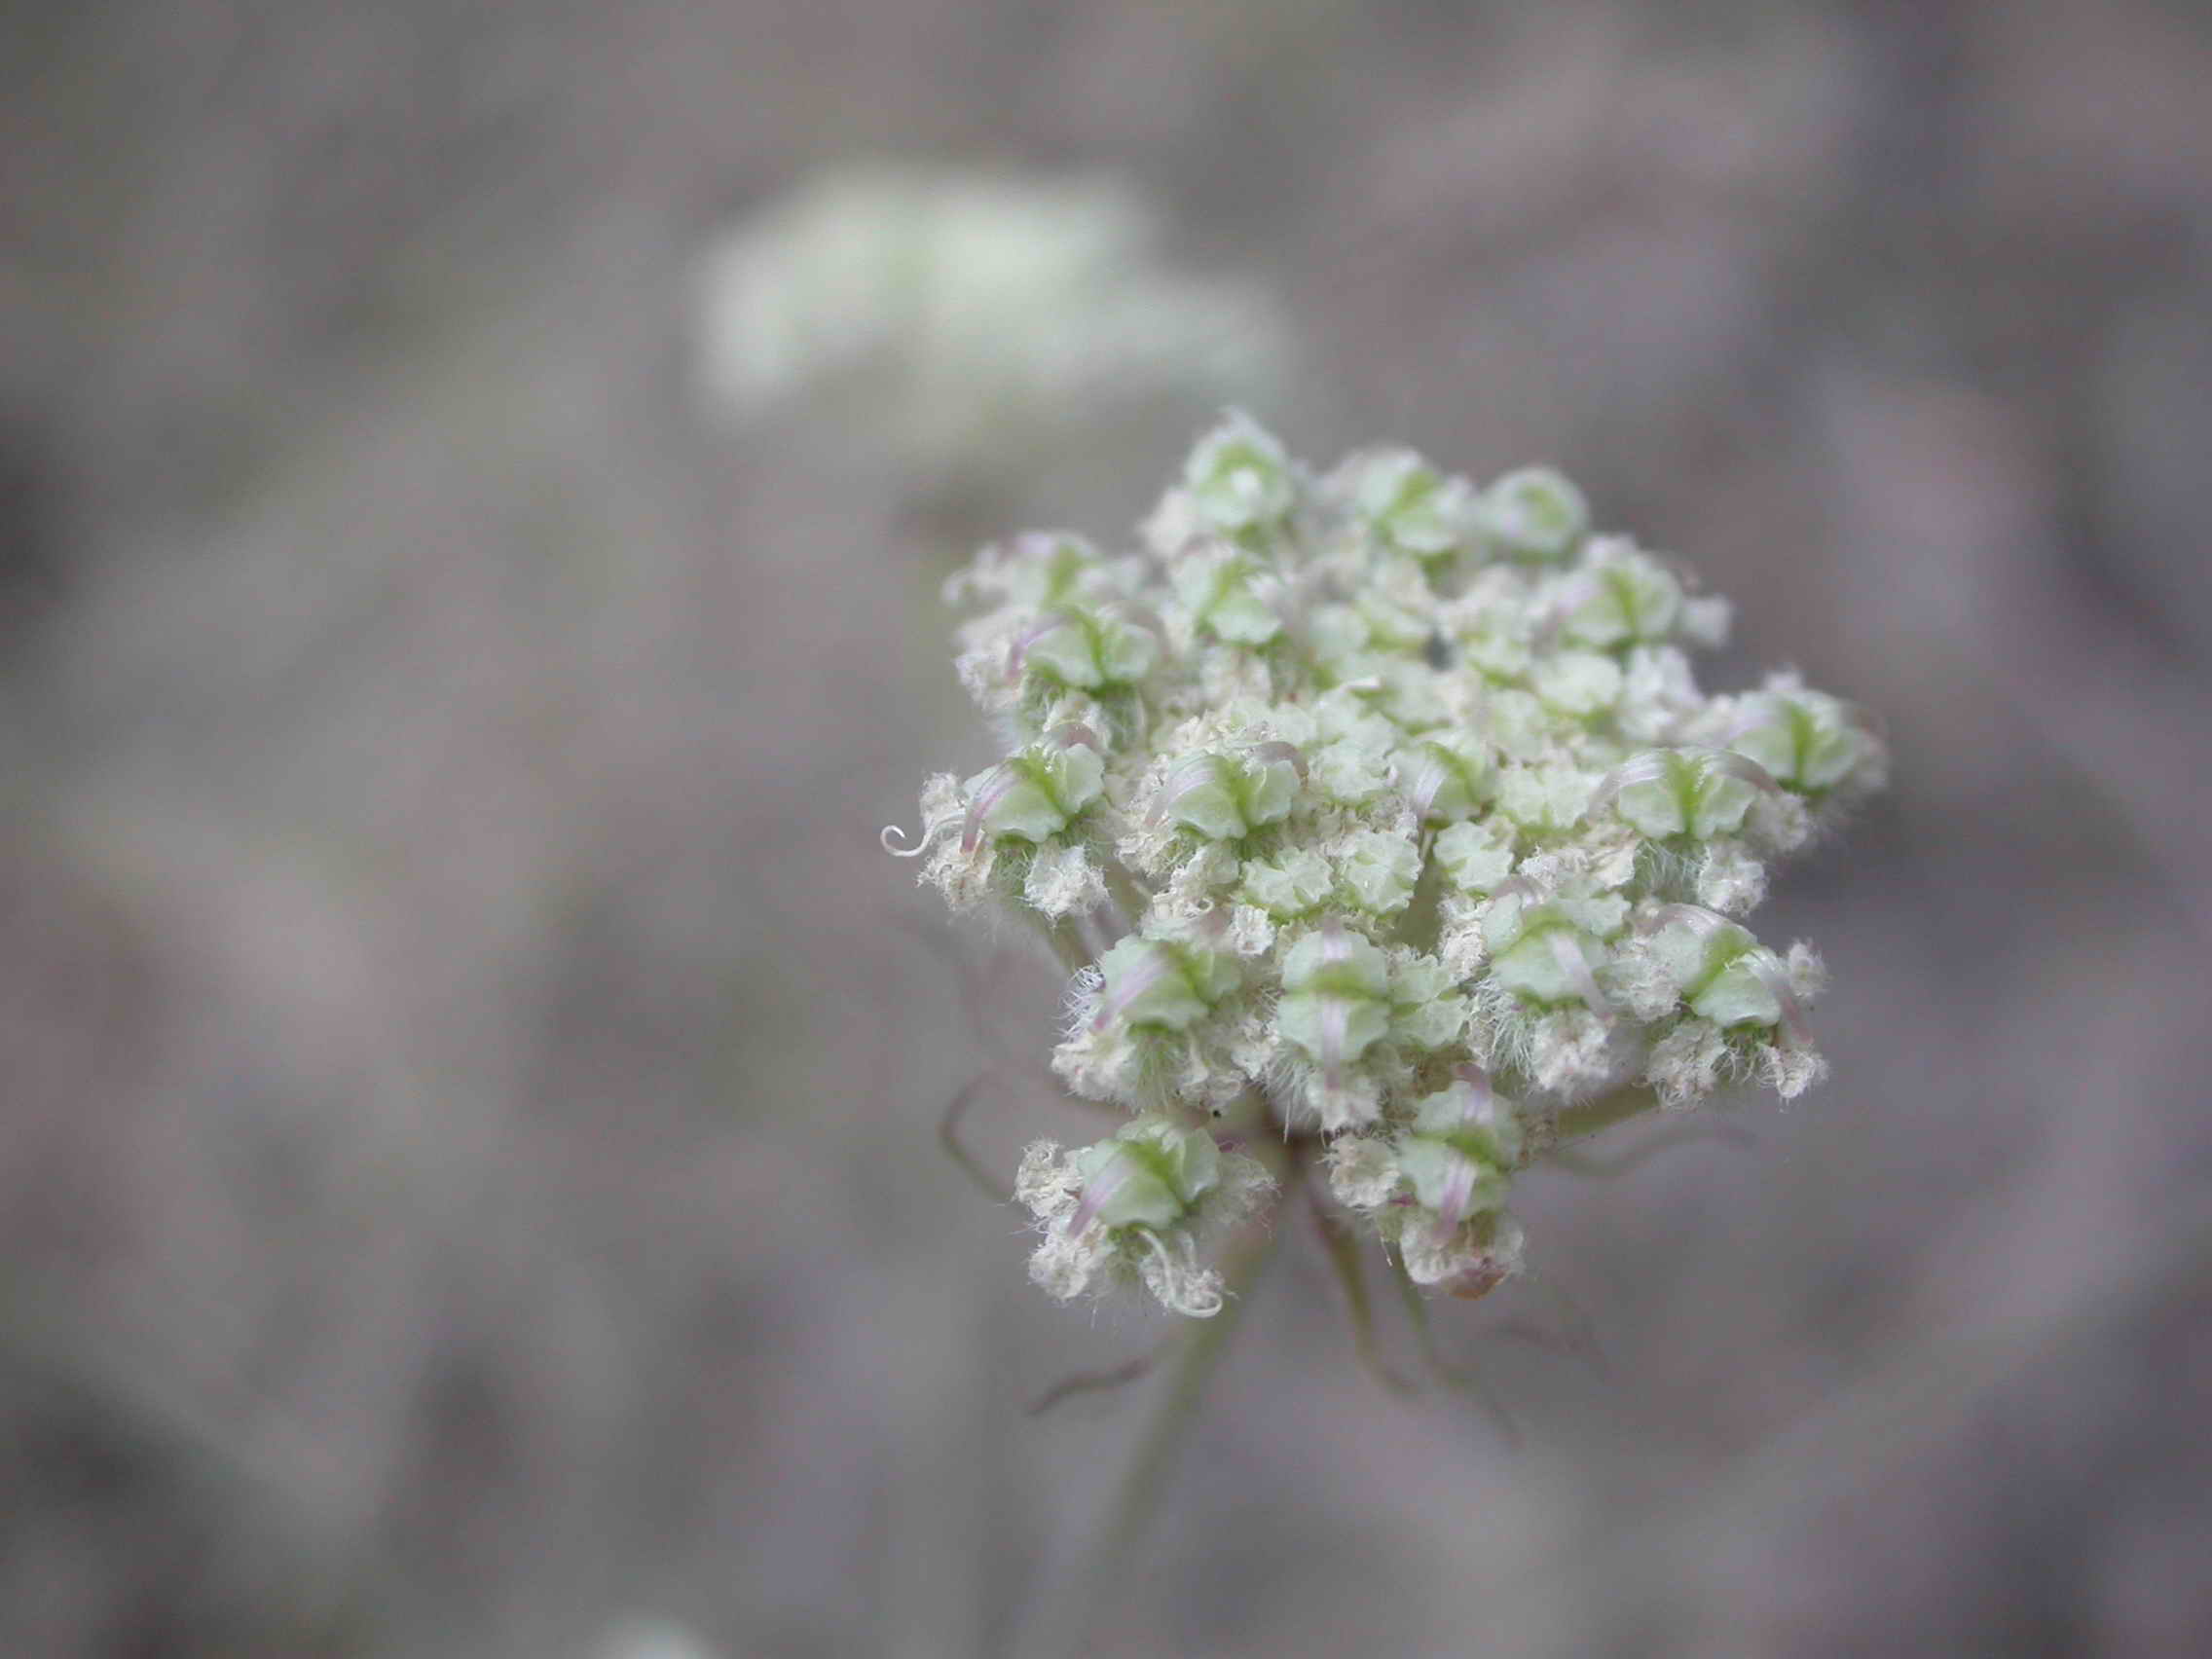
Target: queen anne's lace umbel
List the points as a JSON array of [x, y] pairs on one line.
[[1389, 806]]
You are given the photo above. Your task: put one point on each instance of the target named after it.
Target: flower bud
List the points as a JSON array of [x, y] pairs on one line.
[[1336, 1000], [1471, 1261], [1534, 514], [1291, 884], [1163, 984], [1136, 1204], [1700, 794], [1407, 506], [1722, 974], [1543, 953], [1459, 1153], [1149, 1173], [1378, 871], [1810, 742], [1086, 649], [1476, 855], [1221, 588], [1620, 597], [1238, 478], [1224, 797], [1035, 792], [1447, 776]]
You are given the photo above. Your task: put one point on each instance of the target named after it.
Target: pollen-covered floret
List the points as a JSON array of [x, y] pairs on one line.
[[1382, 813]]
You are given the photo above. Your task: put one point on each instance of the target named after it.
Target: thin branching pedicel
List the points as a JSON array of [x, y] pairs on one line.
[[1419, 848]]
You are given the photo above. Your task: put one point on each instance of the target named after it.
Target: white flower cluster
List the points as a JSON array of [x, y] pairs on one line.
[[954, 313], [1388, 810]]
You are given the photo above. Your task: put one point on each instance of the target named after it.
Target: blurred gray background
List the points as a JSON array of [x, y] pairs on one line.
[[468, 1181]]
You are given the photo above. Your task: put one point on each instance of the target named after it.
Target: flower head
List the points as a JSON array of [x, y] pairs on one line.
[[1393, 819]]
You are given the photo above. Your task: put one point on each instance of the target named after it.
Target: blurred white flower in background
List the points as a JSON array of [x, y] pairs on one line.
[[953, 314], [640, 1635]]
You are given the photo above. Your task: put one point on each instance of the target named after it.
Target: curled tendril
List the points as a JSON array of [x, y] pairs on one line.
[[893, 838], [1203, 1299]]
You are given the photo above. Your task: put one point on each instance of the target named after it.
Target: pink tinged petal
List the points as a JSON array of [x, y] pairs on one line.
[[1074, 734], [1097, 1193], [1458, 1201], [1704, 924], [1271, 753], [1208, 925], [1336, 1016], [995, 789], [1158, 963], [1571, 596], [1334, 946], [1740, 767], [1428, 776], [1194, 773], [1568, 950], [1767, 969], [1141, 615], [1028, 637], [1477, 1080], [1654, 766]]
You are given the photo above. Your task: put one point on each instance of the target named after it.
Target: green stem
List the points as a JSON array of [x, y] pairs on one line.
[[1462, 1377], [1127, 894], [1062, 938], [1587, 1118], [1345, 1256], [1143, 1480], [1069, 1620]]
